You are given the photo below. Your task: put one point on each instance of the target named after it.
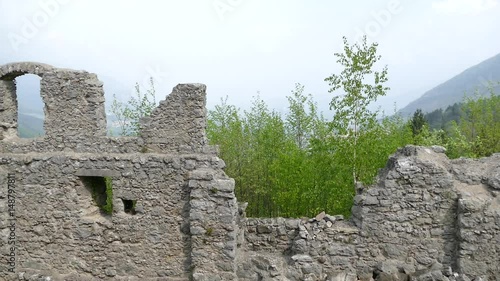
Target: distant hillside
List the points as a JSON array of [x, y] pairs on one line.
[[30, 126], [453, 90]]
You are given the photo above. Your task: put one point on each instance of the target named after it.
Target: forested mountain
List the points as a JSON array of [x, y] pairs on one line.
[[453, 90], [439, 118]]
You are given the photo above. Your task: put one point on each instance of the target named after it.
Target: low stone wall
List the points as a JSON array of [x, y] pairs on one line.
[[298, 249], [426, 218]]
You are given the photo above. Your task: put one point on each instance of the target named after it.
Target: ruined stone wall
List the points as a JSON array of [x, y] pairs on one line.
[[173, 209], [428, 194], [175, 215], [75, 118], [61, 231], [74, 101], [426, 218], [410, 215], [184, 108], [213, 228], [478, 216], [321, 248]]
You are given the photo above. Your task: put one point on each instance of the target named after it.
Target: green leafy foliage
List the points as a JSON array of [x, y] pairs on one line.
[[480, 124], [301, 120], [108, 207], [417, 122], [293, 166], [102, 192], [300, 164], [138, 106], [352, 118], [474, 131]]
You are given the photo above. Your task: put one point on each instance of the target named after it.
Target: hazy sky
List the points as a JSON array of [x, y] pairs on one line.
[[239, 47]]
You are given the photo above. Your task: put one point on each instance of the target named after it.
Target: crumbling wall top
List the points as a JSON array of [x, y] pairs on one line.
[[74, 101], [75, 116], [179, 122], [12, 70]]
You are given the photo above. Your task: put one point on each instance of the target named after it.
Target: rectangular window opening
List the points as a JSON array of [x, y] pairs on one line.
[[101, 189], [129, 206]]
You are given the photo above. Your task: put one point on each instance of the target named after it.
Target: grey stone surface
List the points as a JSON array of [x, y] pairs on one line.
[[175, 215], [427, 218], [493, 178], [74, 101], [61, 233]]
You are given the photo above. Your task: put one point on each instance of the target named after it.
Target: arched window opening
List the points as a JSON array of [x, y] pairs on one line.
[[30, 114]]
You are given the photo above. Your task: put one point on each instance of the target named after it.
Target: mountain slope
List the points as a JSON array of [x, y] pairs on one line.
[[30, 126], [453, 90]]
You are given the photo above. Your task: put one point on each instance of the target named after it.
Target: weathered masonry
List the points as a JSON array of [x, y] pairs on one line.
[[76, 204], [168, 188]]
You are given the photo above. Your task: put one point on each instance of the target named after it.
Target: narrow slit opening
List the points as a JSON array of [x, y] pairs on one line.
[[129, 206]]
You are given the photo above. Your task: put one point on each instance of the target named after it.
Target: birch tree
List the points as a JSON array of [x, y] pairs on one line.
[[361, 86]]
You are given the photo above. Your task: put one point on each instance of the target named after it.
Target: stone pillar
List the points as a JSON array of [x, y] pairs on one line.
[[213, 228], [8, 109], [479, 237]]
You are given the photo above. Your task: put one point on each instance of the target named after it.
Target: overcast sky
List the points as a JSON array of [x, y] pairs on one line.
[[239, 47]]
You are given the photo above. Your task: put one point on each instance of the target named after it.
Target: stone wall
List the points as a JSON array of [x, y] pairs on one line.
[[479, 216], [183, 108], [175, 215], [426, 218], [74, 101], [174, 209], [410, 215], [322, 248]]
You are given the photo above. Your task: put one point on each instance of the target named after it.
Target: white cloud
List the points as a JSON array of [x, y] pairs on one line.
[[463, 7]]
